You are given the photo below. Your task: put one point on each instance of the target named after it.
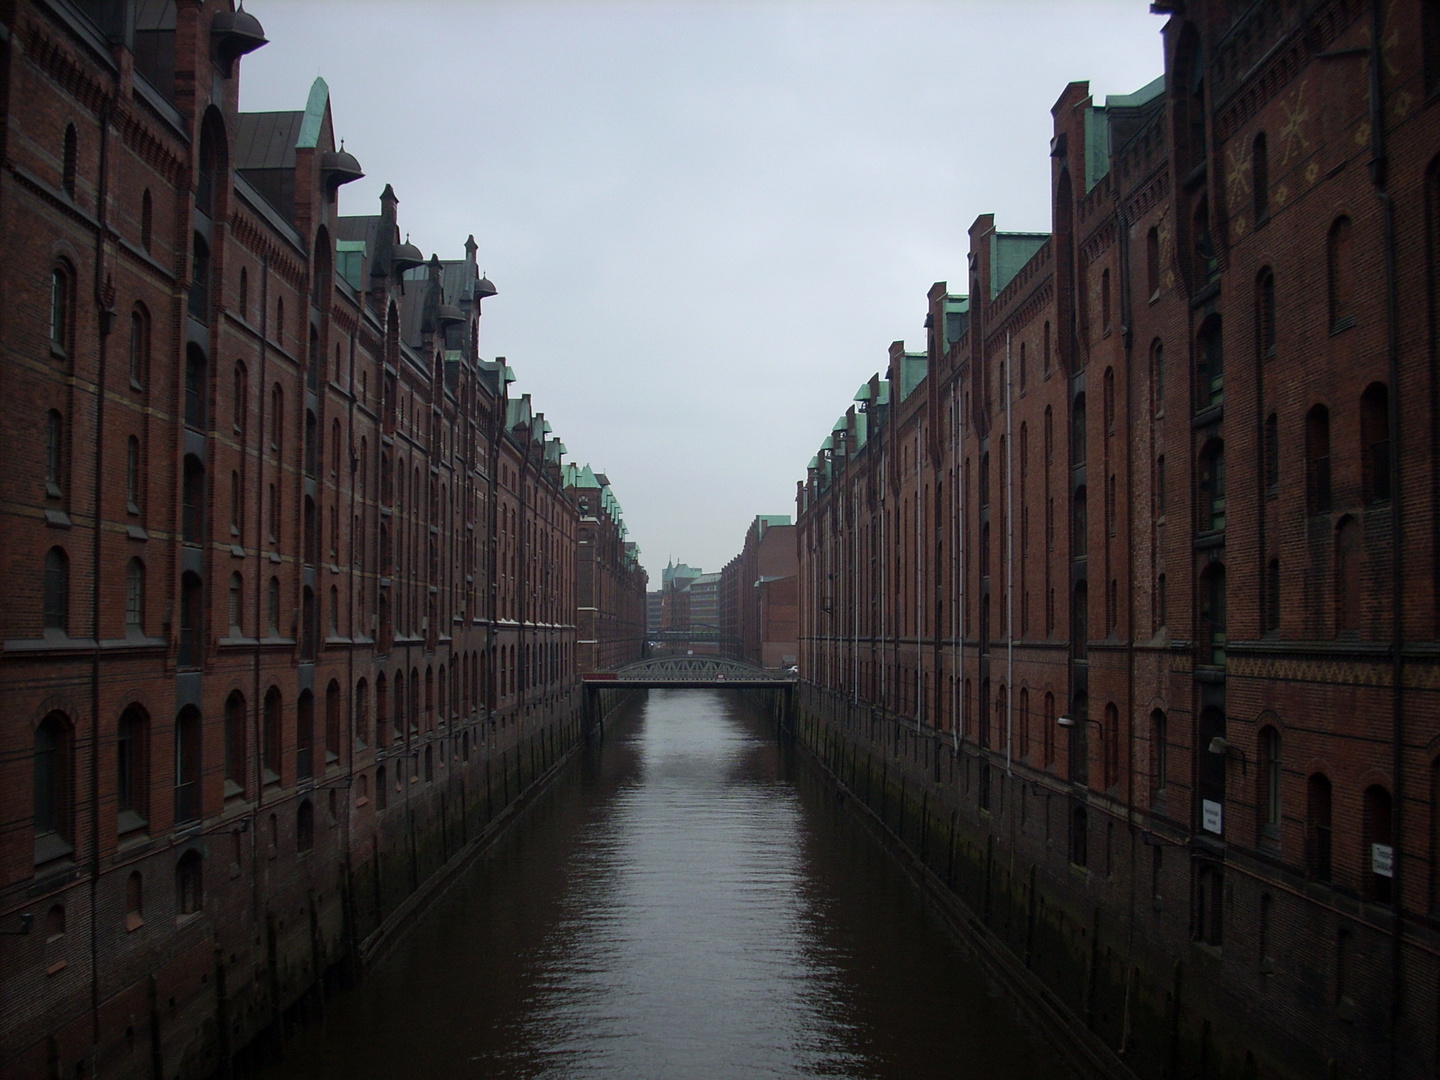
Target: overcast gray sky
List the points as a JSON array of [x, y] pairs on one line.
[[707, 221]]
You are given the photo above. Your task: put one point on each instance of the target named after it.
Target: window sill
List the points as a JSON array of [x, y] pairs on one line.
[[57, 519]]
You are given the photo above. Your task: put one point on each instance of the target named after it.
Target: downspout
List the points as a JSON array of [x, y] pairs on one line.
[[1009, 569], [963, 529], [919, 584], [955, 637], [257, 705], [105, 312], [1378, 177]]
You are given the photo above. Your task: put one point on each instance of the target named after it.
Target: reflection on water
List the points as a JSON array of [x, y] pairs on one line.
[[686, 904]]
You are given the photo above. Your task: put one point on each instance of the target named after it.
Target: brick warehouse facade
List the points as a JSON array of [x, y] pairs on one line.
[[610, 582], [1119, 601], [290, 575]]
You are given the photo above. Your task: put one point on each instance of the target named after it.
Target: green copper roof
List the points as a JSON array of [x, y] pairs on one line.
[[913, 367], [814, 462], [863, 394], [1009, 252], [309, 136], [828, 444]]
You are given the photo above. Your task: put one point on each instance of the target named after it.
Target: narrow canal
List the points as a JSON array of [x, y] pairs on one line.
[[689, 902]]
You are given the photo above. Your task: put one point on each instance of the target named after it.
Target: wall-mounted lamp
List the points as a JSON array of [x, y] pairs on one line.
[[1224, 747]]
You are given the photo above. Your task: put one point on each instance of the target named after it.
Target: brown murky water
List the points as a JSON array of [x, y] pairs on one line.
[[689, 902]]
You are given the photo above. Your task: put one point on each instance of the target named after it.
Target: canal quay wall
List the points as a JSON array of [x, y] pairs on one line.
[[1085, 951], [322, 923]]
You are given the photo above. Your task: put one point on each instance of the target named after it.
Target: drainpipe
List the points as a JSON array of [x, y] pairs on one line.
[[1009, 570], [105, 312], [1378, 177], [257, 705]]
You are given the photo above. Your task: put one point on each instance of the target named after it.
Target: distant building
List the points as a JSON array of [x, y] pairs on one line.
[[654, 609], [759, 612], [611, 601]]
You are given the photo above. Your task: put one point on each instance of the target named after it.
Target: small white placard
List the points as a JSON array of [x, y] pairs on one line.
[[1381, 860], [1212, 816]]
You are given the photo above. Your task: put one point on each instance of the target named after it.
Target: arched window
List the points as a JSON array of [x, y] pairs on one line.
[[1349, 573], [1080, 837], [332, 723], [382, 789], [280, 321], [199, 300], [1159, 752], [1260, 178], [362, 713], [244, 300], [1265, 314], [135, 596], [133, 486], [429, 763], [56, 598], [197, 383], [1212, 486], [187, 765], [1212, 615], [192, 520], [54, 788], [1078, 741], [1317, 459], [271, 736], [236, 765], [277, 419], [1077, 431], [398, 719], [1340, 265], [1271, 452], [1377, 854], [1209, 365], [272, 607], [1268, 775], [1375, 442], [1080, 524], [1110, 733], [305, 826], [382, 710], [1210, 905], [54, 454], [139, 347], [237, 586], [1080, 620], [132, 770], [1270, 602], [242, 398], [1108, 400], [134, 901], [312, 444], [305, 735], [147, 220], [189, 895], [1317, 827], [308, 627], [69, 163], [60, 310], [335, 451], [1152, 262]]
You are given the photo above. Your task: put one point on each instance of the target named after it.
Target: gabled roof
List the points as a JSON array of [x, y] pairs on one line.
[[266, 140]]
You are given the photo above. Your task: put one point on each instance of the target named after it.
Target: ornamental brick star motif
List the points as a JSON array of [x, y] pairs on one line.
[[1292, 132]]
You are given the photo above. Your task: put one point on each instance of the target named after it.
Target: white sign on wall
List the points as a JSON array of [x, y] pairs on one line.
[[1381, 860], [1212, 817]]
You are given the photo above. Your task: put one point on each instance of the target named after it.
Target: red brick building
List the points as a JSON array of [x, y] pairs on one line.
[[1134, 567], [291, 576], [759, 595], [610, 582]]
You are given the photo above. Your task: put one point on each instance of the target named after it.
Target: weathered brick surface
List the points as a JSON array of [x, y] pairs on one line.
[[438, 563], [1009, 419]]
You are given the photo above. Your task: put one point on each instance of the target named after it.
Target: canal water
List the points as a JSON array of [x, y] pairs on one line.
[[690, 901]]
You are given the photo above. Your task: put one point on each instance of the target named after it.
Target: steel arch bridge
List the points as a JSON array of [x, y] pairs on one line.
[[677, 672]]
